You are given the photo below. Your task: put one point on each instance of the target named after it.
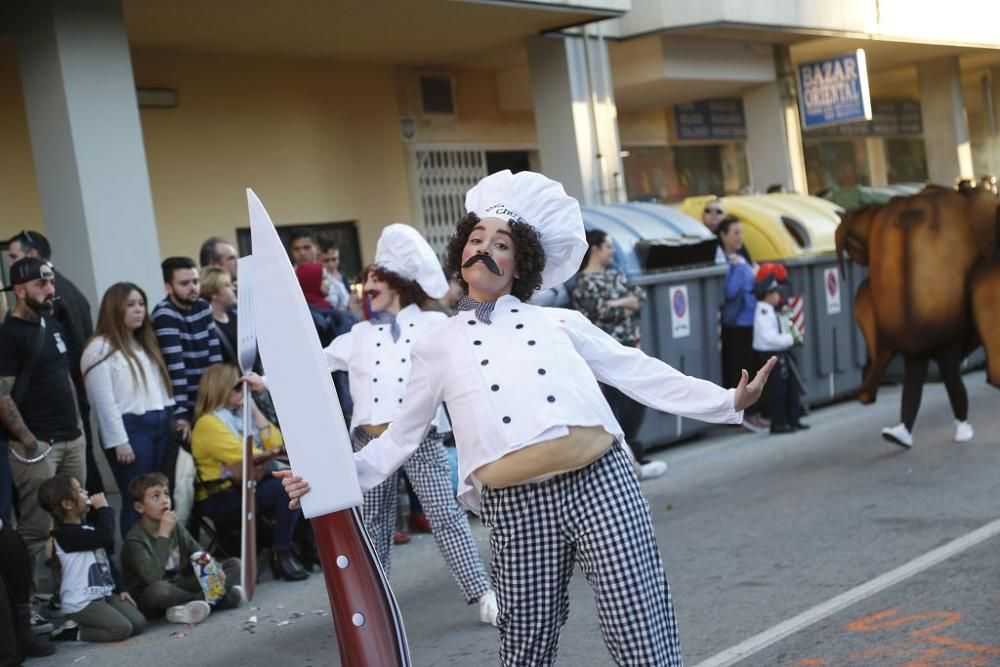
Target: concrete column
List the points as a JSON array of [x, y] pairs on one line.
[[774, 137], [878, 161], [993, 114], [83, 119], [575, 116], [946, 128]]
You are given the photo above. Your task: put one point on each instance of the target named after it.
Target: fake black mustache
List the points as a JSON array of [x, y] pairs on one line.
[[485, 259]]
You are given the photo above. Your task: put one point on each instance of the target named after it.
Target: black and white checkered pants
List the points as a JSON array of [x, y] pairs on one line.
[[430, 475], [597, 517]]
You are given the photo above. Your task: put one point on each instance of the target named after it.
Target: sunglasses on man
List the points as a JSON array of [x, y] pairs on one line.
[[717, 211]]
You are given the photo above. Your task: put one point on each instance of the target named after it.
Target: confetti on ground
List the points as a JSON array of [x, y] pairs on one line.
[[280, 623], [178, 635], [82, 657], [252, 619], [319, 612]]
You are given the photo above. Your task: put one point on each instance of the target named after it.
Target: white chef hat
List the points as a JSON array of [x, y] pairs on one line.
[[402, 250], [542, 203]]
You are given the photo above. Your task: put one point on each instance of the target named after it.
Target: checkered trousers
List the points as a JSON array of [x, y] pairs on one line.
[[595, 517], [430, 475]]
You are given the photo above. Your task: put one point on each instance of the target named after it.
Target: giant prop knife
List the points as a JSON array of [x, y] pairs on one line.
[[365, 615], [246, 344]]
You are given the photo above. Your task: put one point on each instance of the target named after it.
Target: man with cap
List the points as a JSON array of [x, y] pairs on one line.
[[540, 453], [376, 356], [38, 405], [72, 311]]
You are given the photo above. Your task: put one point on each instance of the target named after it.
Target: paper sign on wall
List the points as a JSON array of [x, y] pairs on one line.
[[831, 286], [680, 311]]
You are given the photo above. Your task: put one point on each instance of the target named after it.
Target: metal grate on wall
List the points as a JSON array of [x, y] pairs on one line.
[[443, 177]]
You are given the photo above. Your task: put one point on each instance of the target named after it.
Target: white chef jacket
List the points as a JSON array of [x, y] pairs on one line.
[[378, 368], [525, 379], [768, 334]]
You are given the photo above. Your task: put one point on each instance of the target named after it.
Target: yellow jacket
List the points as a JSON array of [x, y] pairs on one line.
[[214, 445]]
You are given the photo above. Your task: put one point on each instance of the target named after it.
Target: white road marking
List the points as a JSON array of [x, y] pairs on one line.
[[787, 628]]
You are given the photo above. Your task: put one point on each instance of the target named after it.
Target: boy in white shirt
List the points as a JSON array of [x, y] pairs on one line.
[[541, 456], [773, 335]]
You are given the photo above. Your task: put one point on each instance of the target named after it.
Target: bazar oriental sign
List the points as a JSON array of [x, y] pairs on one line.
[[834, 90]]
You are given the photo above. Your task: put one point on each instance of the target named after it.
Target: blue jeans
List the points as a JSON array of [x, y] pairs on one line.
[[221, 507], [149, 434]]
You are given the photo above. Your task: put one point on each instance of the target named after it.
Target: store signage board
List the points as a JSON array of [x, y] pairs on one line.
[[720, 120], [834, 90], [890, 118]]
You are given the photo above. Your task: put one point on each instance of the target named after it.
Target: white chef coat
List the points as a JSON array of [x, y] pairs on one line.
[[524, 379], [378, 368]]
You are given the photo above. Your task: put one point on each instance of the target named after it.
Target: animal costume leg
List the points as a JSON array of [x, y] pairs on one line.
[[864, 315], [430, 474], [985, 297]]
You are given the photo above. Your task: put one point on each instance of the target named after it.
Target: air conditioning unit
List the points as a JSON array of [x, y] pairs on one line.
[[437, 95]]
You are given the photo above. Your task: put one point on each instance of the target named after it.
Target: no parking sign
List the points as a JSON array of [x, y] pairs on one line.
[[680, 311], [831, 286]]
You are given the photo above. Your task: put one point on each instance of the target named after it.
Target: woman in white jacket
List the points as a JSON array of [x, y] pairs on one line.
[[129, 388]]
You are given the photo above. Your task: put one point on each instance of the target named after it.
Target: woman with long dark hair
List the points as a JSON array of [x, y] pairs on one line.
[[129, 388]]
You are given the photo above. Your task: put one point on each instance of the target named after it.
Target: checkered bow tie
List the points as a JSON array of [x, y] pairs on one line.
[[482, 310]]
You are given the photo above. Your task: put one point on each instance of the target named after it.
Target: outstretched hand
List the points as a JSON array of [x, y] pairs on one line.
[[748, 392], [294, 486]]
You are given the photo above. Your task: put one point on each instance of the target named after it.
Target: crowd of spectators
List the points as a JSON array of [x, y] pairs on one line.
[[161, 382]]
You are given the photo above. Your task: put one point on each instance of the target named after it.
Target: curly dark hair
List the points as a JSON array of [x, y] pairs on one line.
[[528, 255], [409, 290]]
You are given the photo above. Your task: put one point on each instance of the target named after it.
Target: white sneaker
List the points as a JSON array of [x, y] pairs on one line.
[[652, 470], [189, 614], [963, 431], [898, 435], [488, 608]]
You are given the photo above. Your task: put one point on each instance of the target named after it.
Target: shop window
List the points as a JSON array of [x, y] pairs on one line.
[[836, 164], [907, 160], [345, 234], [673, 173]]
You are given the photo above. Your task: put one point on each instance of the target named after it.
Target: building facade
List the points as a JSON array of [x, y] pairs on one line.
[[131, 129]]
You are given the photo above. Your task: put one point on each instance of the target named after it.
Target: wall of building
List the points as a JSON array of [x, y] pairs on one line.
[[20, 207], [905, 19], [318, 142], [491, 107]]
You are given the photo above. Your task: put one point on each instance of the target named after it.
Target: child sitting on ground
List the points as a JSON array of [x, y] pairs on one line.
[[156, 559], [773, 335], [88, 587]]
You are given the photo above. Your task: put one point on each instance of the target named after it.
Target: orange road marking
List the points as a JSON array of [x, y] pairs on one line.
[[887, 620]]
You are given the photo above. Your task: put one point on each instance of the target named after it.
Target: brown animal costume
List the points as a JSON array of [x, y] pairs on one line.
[[933, 292]]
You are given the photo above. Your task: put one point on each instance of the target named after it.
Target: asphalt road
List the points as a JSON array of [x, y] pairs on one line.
[[755, 531]]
